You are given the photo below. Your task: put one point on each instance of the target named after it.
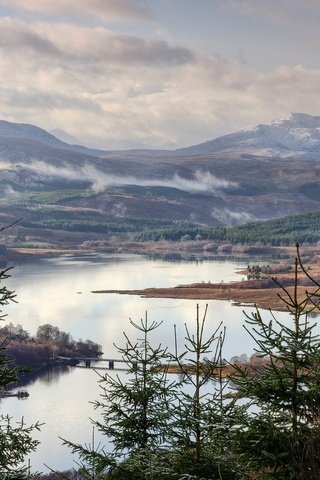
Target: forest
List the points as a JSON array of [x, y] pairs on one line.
[[262, 422], [282, 231]]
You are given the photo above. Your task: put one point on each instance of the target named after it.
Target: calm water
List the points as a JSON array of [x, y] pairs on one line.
[[58, 291]]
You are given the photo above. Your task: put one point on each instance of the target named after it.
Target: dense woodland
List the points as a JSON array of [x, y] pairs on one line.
[[198, 425], [283, 231]]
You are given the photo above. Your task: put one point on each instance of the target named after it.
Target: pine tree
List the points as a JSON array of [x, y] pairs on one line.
[[162, 429], [201, 434], [134, 411], [279, 435], [15, 440]]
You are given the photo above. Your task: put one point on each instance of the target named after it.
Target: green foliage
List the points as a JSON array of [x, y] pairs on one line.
[[283, 231], [15, 443], [160, 429], [15, 440], [201, 436], [70, 221], [135, 411], [36, 198], [6, 296], [279, 437], [189, 428]]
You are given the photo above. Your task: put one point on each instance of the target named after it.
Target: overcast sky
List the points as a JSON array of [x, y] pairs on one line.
[[157, 73]]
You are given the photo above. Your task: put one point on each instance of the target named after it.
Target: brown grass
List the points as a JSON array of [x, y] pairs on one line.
[[262, 293]]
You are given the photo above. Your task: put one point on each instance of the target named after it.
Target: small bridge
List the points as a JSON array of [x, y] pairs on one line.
[[109, 363]]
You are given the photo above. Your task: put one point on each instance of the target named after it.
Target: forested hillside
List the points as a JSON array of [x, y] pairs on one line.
[[66, 195], [282, 231]]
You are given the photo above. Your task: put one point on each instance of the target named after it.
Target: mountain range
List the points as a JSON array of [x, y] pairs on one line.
[[261, 172], [296, 134]]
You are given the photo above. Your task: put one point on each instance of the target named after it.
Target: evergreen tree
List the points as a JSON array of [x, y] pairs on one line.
[[160, 429], [134, 411], [201, 433], [15, 440], [279, 435]]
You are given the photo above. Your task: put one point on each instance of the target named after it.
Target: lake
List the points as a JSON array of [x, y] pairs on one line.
[[58, 291]]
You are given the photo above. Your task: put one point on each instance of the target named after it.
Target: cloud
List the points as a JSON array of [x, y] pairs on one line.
[[83, 45], [119, 210], [203, 181], [118, 91], [34, 99], [104, 9], [4, 165], [17, 35], [231, 217]]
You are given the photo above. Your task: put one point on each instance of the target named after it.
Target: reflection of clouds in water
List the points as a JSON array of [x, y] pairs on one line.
[[68, 400], [47, 293]]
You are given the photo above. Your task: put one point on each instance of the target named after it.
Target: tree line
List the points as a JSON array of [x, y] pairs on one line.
[[43, 348], [278, 232], [282, 231]]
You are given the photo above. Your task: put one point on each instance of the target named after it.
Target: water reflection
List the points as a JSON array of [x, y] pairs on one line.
[[47, 374], [48, 292]]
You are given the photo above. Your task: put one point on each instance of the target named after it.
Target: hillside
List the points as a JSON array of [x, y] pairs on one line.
[[67, 194], [302, 229]]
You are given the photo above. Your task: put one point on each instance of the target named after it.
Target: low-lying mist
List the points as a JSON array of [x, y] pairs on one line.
[[202, 181]]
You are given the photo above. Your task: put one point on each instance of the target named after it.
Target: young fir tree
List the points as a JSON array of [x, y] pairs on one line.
[[279, 435], [201, 434], [135, 414], [15, 439]]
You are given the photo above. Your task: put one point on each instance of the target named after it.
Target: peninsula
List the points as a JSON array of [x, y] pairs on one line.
[[261, 289]]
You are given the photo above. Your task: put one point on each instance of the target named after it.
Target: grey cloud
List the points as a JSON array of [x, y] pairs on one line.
[[78, 45], [105, 9], [18, 36], [133, 50]]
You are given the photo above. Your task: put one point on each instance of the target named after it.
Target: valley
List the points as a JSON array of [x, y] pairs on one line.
[[69, 195]]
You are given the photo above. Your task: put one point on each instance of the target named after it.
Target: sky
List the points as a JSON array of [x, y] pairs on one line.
[[157, 73]]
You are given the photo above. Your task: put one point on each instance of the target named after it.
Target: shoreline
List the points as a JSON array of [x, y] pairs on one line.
[[164, 247], [264, 298], [261, 293]]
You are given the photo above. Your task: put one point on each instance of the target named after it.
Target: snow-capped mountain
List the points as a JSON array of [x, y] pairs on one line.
[[295, 134]]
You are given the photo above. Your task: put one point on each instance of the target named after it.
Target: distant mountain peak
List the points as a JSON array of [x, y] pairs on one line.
[[294, 134], [292, 120], [28, 132], [298, 120]]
